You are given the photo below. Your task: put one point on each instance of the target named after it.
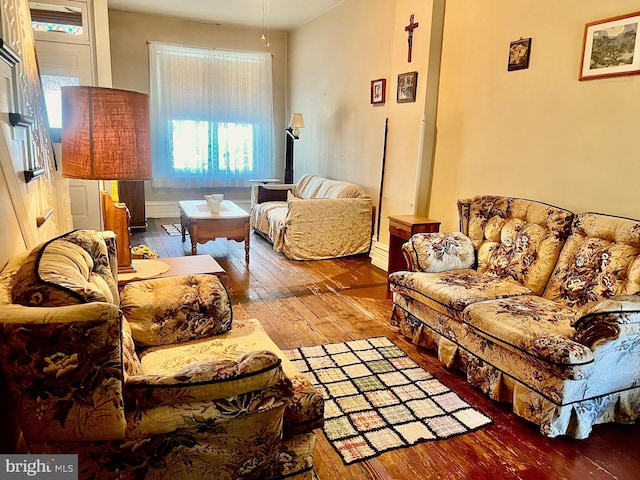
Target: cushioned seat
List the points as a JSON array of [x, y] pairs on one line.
[[531, 325], [451, 292]]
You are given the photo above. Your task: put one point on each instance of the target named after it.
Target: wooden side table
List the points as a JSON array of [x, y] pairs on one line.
[[192, 265], [401, 228]]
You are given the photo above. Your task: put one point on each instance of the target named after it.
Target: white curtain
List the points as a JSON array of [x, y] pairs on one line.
[[211, 116]]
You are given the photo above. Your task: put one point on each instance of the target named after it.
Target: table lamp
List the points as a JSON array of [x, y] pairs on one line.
[[106, 136]]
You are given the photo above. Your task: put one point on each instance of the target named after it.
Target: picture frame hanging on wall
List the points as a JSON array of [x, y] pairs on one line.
[[611, 47], [519, 53], [378, 91], [407, 85]]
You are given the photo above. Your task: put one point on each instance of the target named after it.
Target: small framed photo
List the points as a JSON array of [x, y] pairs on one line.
[[519, 52], [378, 91], [407, 84], [611, 47]]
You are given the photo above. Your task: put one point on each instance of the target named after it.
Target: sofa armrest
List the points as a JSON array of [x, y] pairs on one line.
[[438, 252], [325, 228], [62, 366], [249, 372], [607, 319], [270, 192]]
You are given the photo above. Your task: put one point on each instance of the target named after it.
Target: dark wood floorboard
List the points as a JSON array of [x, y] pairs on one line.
[[310, 303]]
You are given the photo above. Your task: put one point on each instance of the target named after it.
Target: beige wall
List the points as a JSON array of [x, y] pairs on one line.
[[536, 133], [332, 61], [129, 33]]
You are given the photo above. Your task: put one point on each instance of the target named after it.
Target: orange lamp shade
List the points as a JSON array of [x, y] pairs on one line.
[[105, 134]]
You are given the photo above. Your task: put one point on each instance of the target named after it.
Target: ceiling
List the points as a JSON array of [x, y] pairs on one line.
[[278, 14]]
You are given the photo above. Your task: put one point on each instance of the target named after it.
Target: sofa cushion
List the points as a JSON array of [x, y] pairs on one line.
[[176, 309], [451, 292], [517, 238], [532, 325], [600, 260], [303, 414], [312, 186], [67, 270], [266, 194], [267, 217]]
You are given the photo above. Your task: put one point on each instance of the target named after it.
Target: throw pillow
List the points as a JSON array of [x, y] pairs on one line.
[[176, 309], [272, 194]]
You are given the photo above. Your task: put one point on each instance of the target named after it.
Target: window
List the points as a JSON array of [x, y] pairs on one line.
[[232, 146], [51, 85], [60, 21], [211, 116]]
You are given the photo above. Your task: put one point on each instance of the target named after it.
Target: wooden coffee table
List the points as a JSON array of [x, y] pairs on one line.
[[203, 225], [149, 268]]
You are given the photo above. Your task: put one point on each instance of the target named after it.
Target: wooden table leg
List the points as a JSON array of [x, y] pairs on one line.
[[194, 247], [183, 225], [247, 231]]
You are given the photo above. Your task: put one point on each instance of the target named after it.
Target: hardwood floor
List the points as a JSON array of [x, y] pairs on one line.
[[310, 303]]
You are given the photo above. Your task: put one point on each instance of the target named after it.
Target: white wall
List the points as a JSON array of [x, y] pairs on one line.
[[536, 133]]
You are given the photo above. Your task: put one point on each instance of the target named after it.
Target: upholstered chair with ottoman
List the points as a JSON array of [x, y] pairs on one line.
[[156, 381]]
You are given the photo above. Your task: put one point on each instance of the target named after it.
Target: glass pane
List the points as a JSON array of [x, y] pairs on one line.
[[190, 145], [235, 147], [51, 85], [56, 18]]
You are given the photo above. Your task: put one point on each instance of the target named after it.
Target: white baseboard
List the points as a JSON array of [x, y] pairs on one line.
[[164, 209], [379, 254]]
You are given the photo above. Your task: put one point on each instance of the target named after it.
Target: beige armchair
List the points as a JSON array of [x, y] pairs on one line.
[[162, 384]]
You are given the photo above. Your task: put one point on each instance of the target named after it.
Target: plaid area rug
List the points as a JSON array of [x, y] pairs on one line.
[[173, 229], [378, 399]]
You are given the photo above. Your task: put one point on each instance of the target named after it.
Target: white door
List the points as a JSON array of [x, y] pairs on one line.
[[61, 65]]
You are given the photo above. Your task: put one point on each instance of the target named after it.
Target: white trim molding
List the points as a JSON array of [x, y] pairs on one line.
[[379, 254]]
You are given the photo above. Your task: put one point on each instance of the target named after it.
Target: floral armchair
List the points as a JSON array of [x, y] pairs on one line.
[[160, 384]]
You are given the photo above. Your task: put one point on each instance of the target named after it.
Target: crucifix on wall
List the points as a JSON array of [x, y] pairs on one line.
[[409, 29]]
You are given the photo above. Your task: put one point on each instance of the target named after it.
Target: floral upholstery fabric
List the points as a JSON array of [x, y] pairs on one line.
[[451, 292], [517, 238], [171, 310], [79, 384], [438, 252], [566, 355], [532, 324], [304, 412], [62, 368], [600, 260], [70, 269], [323, 219]]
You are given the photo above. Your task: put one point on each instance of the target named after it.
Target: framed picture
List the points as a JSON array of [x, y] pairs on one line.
[[378, 90], [611, 47], [407, 84], [519, 51]]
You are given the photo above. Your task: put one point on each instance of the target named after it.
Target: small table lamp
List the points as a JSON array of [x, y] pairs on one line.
[[106, 136]]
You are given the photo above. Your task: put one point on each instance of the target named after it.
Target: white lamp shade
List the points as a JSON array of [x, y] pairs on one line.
[[296, 121]]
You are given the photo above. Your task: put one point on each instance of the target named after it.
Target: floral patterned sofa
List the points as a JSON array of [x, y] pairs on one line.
[[314, 219], [539, 307], [162, 384]]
